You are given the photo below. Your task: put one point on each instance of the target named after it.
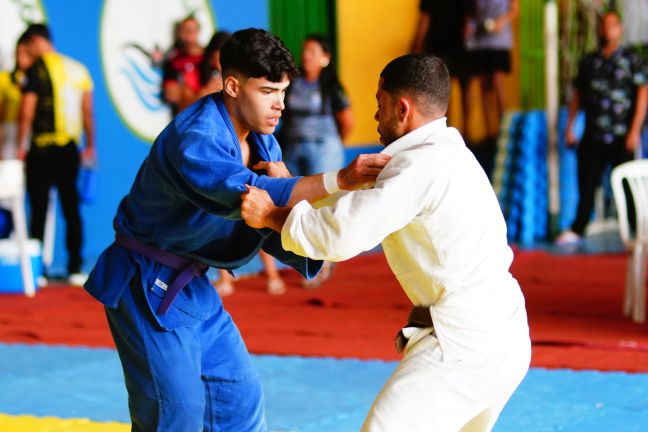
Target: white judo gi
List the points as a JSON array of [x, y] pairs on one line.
[[444, 236]]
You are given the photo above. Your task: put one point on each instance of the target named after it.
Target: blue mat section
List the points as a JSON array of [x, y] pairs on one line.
[[315, 394]]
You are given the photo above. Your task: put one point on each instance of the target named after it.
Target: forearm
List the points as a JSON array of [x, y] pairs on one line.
[[24, 126], [507, 18], [3, 142], [573, 110], [309, 188], [513, 11], [277, 218], [89, 130], [344, 121], [337, 232], [364, 169], [87, 110], [640, 109], [171, 92], [187, 96]]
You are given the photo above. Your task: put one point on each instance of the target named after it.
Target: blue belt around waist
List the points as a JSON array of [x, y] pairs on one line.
[[188, 269]]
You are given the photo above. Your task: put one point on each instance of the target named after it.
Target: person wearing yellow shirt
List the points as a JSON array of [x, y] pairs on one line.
[[10, 96], [57, 108]]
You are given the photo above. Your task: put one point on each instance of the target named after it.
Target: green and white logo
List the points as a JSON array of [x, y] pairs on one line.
[[134, 38]]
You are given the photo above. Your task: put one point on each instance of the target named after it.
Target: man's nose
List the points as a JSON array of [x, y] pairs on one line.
[[279, 102]]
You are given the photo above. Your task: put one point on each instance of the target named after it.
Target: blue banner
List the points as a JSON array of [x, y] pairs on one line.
[[119, 42]]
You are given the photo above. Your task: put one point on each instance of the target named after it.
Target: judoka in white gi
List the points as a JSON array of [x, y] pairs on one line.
[[444, 236]]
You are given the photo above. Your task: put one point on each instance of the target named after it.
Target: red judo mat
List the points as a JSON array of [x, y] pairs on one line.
[[574, 305]]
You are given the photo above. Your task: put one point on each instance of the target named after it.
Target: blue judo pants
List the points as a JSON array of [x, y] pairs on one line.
[[191, 378]]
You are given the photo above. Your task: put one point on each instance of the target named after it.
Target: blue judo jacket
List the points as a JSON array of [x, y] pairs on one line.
[[186, 200]]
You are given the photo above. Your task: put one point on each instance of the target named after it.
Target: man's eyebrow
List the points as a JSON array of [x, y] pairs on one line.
[[272, 87]]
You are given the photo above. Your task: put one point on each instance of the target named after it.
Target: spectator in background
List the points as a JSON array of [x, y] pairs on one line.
[[635, 34], [489, 41], [181, 70], [10, 96], [211, 78], [274, 285], [56, 106], [612, 88], [317, 119], [440, 31]]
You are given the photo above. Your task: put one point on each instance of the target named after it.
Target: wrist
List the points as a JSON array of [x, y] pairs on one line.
[[276, 218], [331, 183]]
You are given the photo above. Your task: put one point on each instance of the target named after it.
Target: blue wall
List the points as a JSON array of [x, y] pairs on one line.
[[75, 26]]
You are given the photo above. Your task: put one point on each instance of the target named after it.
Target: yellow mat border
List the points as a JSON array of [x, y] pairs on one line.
[[27, 423]]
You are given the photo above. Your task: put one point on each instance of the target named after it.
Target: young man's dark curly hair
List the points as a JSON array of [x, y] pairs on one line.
[[255, 53]]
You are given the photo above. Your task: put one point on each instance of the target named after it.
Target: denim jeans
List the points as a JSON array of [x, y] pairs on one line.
[[314, 156]]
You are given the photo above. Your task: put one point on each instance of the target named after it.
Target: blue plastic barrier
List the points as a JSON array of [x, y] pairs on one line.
[[522, 187]]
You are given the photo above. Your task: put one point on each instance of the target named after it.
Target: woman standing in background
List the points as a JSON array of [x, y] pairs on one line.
[[10, 96], [317, 119], [318, 115]]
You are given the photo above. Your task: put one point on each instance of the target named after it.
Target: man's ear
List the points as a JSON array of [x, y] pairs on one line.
[[404, 107], [231, 86]]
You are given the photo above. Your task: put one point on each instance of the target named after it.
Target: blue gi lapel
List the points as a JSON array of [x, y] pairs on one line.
[[257, 139]]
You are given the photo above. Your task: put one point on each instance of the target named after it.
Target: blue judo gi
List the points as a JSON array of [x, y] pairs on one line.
[[188, 369]]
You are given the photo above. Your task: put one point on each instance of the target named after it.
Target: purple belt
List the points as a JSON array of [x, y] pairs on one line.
[[188, 268]]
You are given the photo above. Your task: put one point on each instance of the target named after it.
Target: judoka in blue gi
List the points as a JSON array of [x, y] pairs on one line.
[[186, 366]]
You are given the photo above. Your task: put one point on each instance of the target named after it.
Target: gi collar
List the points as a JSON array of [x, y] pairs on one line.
[[417, 136]]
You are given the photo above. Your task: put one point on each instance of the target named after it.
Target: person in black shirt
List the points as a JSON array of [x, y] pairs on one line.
[[57, 108], [612, 88]]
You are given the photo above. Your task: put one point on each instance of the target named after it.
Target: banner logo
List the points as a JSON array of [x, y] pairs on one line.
[[135, 36]]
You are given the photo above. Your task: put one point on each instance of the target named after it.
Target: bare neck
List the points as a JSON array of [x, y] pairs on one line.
[[312, 76], [610, 47], [240, 128], [419, 120]]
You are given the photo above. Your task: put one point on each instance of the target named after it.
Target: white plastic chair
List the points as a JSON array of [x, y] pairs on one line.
[[12, 188], [49, 235], [636, 174]]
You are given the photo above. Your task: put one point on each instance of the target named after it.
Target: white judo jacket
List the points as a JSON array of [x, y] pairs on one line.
[[444, 236]]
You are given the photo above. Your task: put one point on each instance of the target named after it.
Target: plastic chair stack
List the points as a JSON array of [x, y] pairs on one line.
[[521, 177], [634, 175], [12, 181]]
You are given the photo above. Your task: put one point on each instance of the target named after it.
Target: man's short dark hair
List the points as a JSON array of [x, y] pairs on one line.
[[37, 29], [424, 78], [255, 53]]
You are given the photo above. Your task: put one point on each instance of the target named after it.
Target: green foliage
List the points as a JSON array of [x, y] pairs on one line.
[[578, 35], [292, 20], [532, 56]]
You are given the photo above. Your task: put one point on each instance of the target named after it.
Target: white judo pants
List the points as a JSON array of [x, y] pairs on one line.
[[428, 393]]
